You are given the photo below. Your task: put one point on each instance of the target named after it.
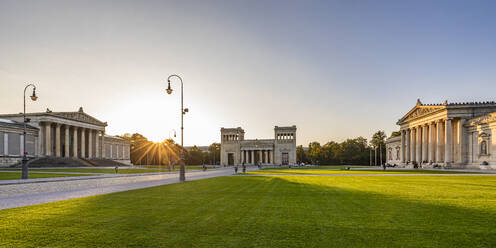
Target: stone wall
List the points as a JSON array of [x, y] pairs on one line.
[[393, 151], [117, 149], [6, 161]]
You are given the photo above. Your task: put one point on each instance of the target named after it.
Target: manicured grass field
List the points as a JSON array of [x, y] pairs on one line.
[[361, 171], [15, 175], [324, 167], [286, 211]]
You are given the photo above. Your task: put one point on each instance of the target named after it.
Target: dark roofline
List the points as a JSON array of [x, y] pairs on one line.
[[18, 125], [54, 114]]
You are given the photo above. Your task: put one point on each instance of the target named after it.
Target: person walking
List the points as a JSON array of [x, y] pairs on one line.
[[235, 169], [244, 168]]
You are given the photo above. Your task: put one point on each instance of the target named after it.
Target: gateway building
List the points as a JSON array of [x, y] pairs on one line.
[[236, 150]]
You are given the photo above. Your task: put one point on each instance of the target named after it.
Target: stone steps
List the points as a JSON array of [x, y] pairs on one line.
[[57, 162]]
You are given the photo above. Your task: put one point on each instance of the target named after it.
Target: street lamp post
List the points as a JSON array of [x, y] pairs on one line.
[[182, 176], [24, 156]]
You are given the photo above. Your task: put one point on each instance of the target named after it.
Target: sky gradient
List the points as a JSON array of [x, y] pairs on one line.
[[336, 69]]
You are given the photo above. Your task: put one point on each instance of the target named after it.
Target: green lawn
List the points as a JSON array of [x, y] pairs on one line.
[[362, 171], [16, 175], [289, 211], [324, 167]]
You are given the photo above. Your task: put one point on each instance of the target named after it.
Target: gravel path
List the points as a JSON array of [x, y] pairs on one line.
[[25, 194]]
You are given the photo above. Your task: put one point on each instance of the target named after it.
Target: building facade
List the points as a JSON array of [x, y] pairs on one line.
[[59, 134], [236, 150], [453, 135]]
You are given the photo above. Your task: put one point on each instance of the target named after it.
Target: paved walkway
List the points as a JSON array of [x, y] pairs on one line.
[[31, 193], [52, 172]]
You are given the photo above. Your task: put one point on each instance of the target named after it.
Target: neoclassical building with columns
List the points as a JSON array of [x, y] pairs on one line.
[[59, 134], [452, 135], [236, 150]]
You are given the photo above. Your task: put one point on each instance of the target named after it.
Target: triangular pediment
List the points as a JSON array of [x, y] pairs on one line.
[[79, 116], [420, 111]]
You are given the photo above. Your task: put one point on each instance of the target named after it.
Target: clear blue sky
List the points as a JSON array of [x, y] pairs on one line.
[[336, 69]]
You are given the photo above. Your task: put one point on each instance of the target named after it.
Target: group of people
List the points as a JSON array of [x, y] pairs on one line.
[[243, 166]]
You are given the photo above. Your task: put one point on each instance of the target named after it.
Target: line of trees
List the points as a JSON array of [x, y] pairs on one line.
[[355, 151], [168, 152]]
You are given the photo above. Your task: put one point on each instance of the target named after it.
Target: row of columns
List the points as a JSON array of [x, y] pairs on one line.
[[19, 150], [248, 156], [230, 137], [431, 142], [89, 137], [285, 136]]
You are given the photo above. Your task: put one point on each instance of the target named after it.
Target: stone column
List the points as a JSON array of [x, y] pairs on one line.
[[418, 149], [21, 144], [425, 142], [462, 139], [5, 144], [97, 144], [413, 145], [402, 151], [261, 156], [36, 146], [112, 152], [90, 143], [83, 143], [407, 151], [75, 142], [48, 139], [242, 157], [41, 140], [66, 148], [271, 156], [439, 141], [103, 145], [252, 157], [447, 143], [432, 143], [58, 150]]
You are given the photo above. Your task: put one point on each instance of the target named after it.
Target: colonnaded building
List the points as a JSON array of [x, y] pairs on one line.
[[235, 150], [76, 136], [456, 135]]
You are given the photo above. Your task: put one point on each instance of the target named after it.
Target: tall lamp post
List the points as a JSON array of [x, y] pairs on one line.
[[182, 175], [24, 156]]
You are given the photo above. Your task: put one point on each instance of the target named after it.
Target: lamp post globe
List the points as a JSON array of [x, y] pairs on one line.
[[169, 89]]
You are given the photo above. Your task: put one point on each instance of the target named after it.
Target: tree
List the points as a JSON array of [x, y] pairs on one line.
[[194, 156], [314, 152], [329, 153], [378, 141], [301, 155], [214, 153]]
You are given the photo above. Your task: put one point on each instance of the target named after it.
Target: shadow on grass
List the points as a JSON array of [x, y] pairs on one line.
[[249, 212]]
